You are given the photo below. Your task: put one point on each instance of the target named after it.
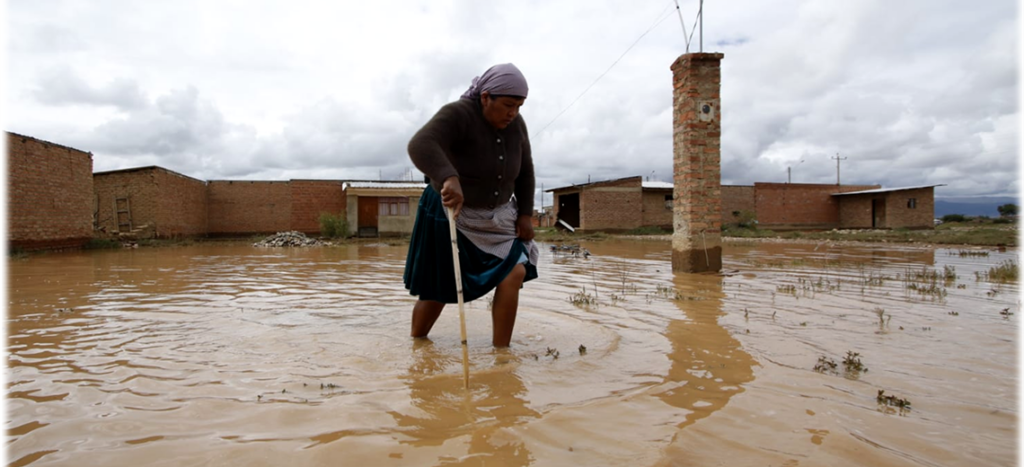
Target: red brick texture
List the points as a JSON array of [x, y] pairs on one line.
[[312, 197], [900, 214], [783, 206], [855, 212], [737, 199], [616, 205], [896, 210], [696, 120], [248, 207], [49, 194], [182, 206], [138, 187], [168, 203], [657, 210]]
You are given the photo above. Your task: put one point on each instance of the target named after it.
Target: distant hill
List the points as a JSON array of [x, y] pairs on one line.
[[980, 206]]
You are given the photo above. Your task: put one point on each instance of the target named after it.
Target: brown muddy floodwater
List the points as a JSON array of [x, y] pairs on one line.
[[226, 354]]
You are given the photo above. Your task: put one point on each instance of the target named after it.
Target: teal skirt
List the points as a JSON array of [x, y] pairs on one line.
[[429, 269]]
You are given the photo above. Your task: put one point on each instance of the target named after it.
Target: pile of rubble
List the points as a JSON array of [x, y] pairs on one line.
[[281, 239]]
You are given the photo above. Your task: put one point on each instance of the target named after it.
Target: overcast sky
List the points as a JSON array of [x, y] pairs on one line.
[[912, 92]]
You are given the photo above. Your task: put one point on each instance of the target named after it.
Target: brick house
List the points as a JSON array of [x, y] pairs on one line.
[[790, 206], [628, 203], [49, 194], [382, 208], [888, 208], [56, 201], [614, 205], [156, 202]]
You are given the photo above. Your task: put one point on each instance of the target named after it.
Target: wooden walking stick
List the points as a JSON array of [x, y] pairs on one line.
[[458, 288]]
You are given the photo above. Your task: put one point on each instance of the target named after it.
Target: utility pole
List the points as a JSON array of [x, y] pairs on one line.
[[789, 172], [837, 158]]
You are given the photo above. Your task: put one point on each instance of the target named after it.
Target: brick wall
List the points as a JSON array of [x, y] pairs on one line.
[[160, 202], [312, 197], [855, 212], [615, 205], [655, 213], [138, 187], [244, 207], [737, 199], [49, 194], [182, 205], [899, 214], [800, 205]]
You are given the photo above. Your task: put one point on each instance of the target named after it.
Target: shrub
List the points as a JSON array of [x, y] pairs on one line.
[[746, 219], [953, 218], [333, 225]]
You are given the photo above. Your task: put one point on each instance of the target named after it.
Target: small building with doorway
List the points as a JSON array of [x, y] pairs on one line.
[[614, 205], [806, 206], [911, 207], [381, 208]]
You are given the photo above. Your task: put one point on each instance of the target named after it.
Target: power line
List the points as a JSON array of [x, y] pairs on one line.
[[661, 17]]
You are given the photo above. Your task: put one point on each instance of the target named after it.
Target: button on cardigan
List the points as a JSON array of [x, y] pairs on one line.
[[491, 164]]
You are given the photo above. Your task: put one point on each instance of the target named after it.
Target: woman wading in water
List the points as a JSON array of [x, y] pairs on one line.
[[475, 153]]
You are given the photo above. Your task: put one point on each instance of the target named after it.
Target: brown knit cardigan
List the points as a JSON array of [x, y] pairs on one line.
[[491, 164]]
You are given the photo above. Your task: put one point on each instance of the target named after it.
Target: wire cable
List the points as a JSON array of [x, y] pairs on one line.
[[693, 30], [681, 23], [661, 17]]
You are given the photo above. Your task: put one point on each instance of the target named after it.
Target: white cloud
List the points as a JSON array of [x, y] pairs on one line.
[[915, 92]]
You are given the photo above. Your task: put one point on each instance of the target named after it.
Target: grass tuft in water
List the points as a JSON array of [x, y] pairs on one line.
[[1004, 272], [582, 298], [853, 364], [892, 401]]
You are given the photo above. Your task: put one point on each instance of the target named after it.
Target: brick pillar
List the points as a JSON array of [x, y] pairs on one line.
[[697, 167]]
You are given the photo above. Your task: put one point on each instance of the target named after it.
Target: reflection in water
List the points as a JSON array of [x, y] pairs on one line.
[[446, 410], [705, 357], [225, 354]]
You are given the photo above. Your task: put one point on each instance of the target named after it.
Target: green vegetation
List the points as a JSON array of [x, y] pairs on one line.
[[17, 252], [1007, 209], [1004, 272], [892, 401], [954, 218], [979, 232], [583, 299], [852, 365], [333, 225], [730, 230], [971, 253]]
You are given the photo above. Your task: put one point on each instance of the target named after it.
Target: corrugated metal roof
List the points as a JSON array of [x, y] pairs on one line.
[[886, 190], [658, 185], [384, 185]]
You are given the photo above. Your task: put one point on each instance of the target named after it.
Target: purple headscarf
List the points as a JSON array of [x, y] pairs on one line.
[[504, 79]]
